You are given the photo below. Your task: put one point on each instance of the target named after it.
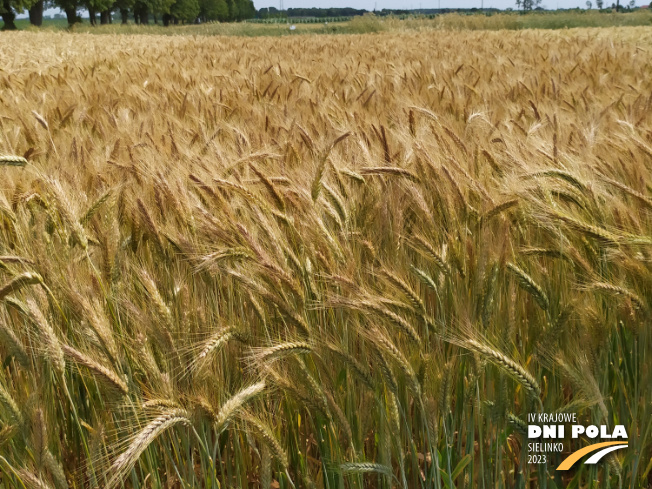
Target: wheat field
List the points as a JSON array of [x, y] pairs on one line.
[[323, 261]]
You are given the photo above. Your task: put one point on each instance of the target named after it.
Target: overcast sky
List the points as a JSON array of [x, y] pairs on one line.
[[398, 4]]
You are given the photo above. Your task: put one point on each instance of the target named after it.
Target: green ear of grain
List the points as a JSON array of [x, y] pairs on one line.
[[528, 284], [12, 160], [353, 468], [95, 206], [502, 361]]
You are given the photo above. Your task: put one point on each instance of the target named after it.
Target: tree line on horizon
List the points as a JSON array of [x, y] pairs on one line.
[[183, 11], [167, 11]]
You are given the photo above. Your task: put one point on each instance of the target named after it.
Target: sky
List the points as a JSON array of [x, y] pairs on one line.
[[407, 4]]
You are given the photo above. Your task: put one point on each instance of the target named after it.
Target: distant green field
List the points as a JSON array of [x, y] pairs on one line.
[[47, 24], [216, 28]]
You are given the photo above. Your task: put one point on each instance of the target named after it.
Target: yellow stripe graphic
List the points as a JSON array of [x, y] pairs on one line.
[[575, 456]]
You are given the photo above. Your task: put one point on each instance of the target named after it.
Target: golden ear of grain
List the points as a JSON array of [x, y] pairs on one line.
[[7, 433], [141, 441], [53, 352], [233, 405], [101, 372], [281, 350], [433, 254], [600, 234], [353, 175], [505, 363], [278, 199], [337, 203], [15, 259], [619, 290], [32, 481], [268, 437], [8, 402], [386, 345], [315, 188], [562, 175], [643, 199], [152, 290], [13, 344], [39, 118], [498, 209], [410, 293], [341, 418], [391, 171], [212, 346], [399, 321], [18, 282]]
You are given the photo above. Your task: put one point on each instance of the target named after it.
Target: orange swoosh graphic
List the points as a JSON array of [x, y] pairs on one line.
[[575, 456]]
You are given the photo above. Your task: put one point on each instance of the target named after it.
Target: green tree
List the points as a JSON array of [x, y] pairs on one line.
[[241, 9], [143, 8], [246, 9], [124, 6], [528, 4], [96, 6], [36, 13], [213, 10], [70, 7], [160, 7], [185, 10], [105, 15], [140, 10], [9, 9], [233, 9]]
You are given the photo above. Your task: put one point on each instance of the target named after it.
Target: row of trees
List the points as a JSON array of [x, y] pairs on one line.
[[168, 11]]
